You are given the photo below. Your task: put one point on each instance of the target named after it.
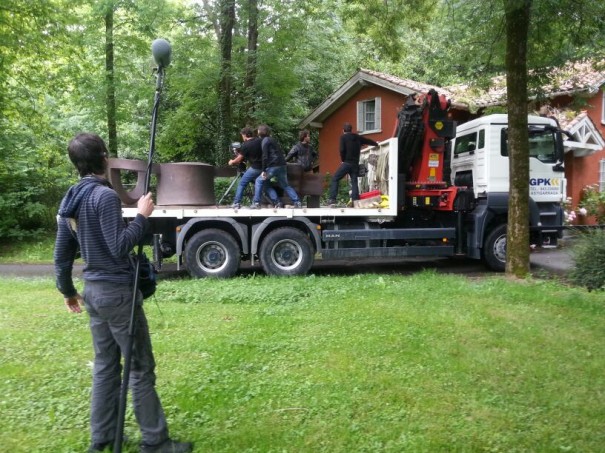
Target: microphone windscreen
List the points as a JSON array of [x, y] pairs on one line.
[[161, 50]]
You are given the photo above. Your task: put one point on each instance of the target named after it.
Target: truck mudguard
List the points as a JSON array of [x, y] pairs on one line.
[[495, 205], [227, 223], [257, 230]]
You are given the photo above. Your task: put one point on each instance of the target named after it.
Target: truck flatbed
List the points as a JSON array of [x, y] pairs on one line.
[[186, 212]]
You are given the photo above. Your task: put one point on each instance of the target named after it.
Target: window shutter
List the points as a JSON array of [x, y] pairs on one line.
[[377, 114], [360, 116], [602, 175]]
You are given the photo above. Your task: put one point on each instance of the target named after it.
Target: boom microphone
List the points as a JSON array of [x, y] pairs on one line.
[[161, 50]]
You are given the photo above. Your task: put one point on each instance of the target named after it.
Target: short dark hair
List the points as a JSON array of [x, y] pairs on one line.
[[347, 127], [302, 134], [247, 132], [264, 130], [88, 152]]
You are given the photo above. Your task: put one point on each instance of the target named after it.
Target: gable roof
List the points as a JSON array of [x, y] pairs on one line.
[[585, 138], [361, 79], [572, 78]]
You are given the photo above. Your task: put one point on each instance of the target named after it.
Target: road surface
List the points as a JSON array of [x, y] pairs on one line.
[[556, 261]]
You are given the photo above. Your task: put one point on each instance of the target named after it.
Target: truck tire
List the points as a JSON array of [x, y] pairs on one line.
[[286, 251], [494, 249], [212, 253]]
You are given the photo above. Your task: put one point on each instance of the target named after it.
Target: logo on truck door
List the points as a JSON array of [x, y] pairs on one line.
[[544, 186]]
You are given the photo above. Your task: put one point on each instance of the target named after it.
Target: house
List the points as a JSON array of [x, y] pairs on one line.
[[370, 101]]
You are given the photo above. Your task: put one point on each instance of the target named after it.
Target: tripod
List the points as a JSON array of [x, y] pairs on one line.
[[241, 169]]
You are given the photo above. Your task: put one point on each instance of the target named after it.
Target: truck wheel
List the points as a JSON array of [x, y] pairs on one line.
[[286, 251], [212, 253], [494, 249]]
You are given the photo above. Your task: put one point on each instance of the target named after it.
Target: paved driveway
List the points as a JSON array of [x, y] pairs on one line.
[[556, 261]]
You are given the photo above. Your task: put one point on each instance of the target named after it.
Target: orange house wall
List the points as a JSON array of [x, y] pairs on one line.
[[584, 171], [329, 134], [391, 103]]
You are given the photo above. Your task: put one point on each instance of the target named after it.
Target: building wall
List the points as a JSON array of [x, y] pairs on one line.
[[584, 171], [329, 134], [391, 103]]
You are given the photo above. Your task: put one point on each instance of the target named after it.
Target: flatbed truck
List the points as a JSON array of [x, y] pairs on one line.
[[441, 191]]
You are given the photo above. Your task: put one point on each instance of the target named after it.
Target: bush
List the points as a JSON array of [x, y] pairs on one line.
[[589, 255], [593, 200]]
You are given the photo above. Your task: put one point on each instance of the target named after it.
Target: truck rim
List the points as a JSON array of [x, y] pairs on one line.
[[286, 254], [212, 256], [500, 248]]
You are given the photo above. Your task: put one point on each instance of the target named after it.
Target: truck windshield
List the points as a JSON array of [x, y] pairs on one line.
[[542, 144]]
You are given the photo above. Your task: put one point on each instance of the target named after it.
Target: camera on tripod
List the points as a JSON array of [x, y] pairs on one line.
[[235, 150], [235, 147]]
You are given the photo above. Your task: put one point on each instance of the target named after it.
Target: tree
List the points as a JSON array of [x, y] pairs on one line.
[[517, 17], [110, 96], [31, 35], [227, 22], [286, 57], [250, 77]]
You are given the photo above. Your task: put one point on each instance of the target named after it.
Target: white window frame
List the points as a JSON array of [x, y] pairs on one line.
[[602, 175], [361, 116]]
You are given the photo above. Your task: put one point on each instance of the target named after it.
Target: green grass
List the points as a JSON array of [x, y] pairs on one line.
[[40, 251], [364, 363], [37, 250]]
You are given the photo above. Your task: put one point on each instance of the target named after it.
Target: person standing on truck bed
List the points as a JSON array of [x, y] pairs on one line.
[[274, 164], [302, 151], [251, 151], [350, 149], [90, 218]]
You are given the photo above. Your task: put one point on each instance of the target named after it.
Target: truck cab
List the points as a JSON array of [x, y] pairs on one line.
[[480, 161], [479, 158]]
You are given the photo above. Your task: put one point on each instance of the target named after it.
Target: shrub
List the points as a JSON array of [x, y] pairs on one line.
[[593, 200], [589, 255]]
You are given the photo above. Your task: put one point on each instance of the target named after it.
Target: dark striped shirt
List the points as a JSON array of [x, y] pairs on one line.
[[105, 241]]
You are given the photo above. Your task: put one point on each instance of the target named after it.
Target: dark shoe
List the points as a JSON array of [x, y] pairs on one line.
[[168, 446], [236, 206], [278, 205], [298, 204], [331, 203], [255, 206]]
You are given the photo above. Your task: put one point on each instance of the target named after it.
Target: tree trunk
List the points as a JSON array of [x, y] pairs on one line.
[[110, 93], [250, 78], [227, 21], [517, 25]]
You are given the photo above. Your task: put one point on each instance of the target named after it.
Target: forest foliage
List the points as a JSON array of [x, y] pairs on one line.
[[68, 66]]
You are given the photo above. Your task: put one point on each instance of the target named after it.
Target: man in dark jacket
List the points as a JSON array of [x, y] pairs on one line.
[[252, 152], [350, 148], [274, 165], [90, 218], [302, 151]]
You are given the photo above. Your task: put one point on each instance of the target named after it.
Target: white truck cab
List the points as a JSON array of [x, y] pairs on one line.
[[479, 158]]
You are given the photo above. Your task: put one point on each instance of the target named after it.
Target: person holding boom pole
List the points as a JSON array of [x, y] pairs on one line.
[[90, 218]]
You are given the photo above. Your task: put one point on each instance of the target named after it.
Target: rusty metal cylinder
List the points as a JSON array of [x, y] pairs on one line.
[[185, 183]]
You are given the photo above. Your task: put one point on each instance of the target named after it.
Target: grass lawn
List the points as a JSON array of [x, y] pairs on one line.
[[34, 250], [364, 363]]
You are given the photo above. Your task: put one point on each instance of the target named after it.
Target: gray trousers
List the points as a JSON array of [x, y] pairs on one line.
[[109, 305]]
